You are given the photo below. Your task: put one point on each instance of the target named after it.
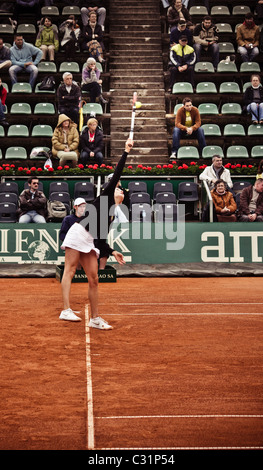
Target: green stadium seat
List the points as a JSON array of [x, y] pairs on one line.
[[231, 108], [218, 10], [182, 87], [257, 151], [234, 129], [206, 87], [20, 108], [47, 67], [34, 153], [229, 87], [255, 129], [25, 28], [245, 86], [201, 67], [177, 106], [237, 151], [72, 67], [70, 10], [6, 29], [241, 10], [249, 67], [227, 67], [211, 130], [207, 108], [226, 48], [16, 153], [21, 87], [37, 90], [198, 10], [2, 131], [50, 11], [188, 152], [42, 130], [18, 130], [5, 85], [210, 150], [92, 108], [224, 28], [44, 108]]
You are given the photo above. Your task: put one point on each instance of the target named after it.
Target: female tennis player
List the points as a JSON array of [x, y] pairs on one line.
[[80, 246]]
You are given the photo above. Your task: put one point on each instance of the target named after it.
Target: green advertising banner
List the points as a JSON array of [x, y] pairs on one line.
[[142, 243]]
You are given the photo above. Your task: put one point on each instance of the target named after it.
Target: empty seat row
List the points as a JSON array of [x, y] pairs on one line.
[[85, 189], [189, 152]]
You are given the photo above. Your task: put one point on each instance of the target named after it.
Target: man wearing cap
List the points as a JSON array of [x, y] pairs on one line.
[[179, 31], [69, 95], [182, 57]]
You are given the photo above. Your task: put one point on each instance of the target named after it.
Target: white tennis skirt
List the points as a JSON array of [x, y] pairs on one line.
[[79, 239]]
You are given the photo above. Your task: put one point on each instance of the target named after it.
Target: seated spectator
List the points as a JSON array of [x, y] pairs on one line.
[[179, 31], [182, 58], [92, 38], [251, 203], [187, 123], [260, 170], [91, 81], [69, 96], [259, 10], [247, 37], [91, 143], [32, 203], [22, 54], [224, 202], [47, 40], [177, 12], [215, 172], [71, 35], [5, 61], [3, 93], [253, 99], [95, 6], [65, 141], [206, 39]]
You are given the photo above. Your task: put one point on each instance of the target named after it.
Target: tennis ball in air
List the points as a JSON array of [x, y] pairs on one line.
[[138, 105]]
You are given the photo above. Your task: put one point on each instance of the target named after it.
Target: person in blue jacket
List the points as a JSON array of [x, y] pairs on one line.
[[25, 58]]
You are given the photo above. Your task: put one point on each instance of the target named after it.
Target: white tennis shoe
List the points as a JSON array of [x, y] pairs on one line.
[[68, 314], [99, 323]]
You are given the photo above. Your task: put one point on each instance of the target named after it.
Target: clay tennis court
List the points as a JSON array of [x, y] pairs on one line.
[[182, 368]]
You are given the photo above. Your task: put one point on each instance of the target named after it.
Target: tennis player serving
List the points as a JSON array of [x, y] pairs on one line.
[[80, 245]]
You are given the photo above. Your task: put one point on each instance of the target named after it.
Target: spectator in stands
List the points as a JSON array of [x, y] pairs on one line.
[[92, 38], [69, 96], [31, 7], [187, 124], [5, 61], [71, 35], [253, 99], [251, 203], [96, 6], [182, 57], [3, 93], [177, 12], [259, 10], [224, 202], [47, 39], [215, 172], [247, 37], [65, 141], [260, 170], [206, 39], [179, 31], [91, 143], [91, 81], [32, 203], [22, 54]]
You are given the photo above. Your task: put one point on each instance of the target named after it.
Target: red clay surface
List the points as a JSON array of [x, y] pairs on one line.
[[182, 367]]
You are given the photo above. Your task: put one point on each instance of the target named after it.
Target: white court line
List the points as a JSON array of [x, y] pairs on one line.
[[158, 314], [188, 303], [90, 418], [178, 416]]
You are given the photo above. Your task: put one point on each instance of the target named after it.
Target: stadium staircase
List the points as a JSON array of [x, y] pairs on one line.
[[136, 64]]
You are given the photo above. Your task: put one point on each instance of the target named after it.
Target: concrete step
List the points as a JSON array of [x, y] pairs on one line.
[[153, 66]]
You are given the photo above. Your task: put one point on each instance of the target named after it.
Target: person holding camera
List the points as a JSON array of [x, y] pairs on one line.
[[71, 33], [206, 39], [247, 37]]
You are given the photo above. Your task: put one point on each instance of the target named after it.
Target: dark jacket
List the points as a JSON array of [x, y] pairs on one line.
[[4, 54], [176, 34], [245, 198], [68, 99], [95, 146], [248, 95], [87, 34], [173, 16], [38, 203], [180, 55]]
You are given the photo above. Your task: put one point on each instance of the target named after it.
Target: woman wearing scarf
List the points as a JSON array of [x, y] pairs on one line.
[[253, 99], [247, 38], [91, 143], [224, 202]]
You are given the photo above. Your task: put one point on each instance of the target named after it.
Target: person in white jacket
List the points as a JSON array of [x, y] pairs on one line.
[[216, 171]]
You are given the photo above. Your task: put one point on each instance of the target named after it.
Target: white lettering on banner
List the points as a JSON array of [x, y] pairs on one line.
[[45, 235], [220, 248], [123, 248], [254, 246], [20, 240], [4, 241]]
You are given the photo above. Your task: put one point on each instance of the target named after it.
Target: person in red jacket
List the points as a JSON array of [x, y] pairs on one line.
[[3, 93]]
